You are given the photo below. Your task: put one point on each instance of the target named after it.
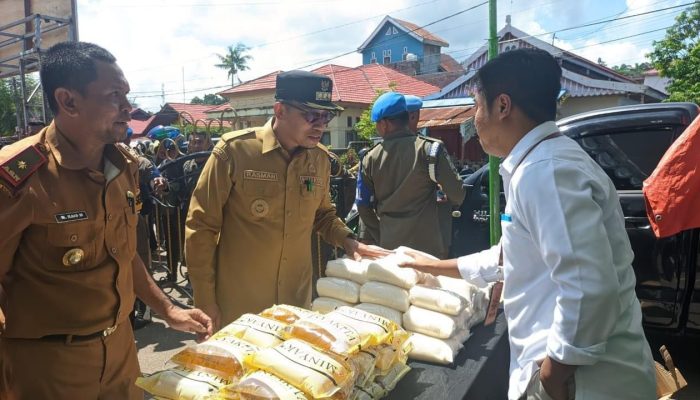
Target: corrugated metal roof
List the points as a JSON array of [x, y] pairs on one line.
[[459, 101], [445, 116], [422, 32], [449, 64]]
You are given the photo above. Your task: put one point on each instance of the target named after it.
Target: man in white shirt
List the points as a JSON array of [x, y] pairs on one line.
[[574, 321]]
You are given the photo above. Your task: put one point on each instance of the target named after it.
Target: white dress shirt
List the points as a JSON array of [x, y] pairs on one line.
[[569, 283]]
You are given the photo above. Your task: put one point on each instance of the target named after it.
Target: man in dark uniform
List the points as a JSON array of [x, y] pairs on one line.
[[68, 263], [399, 179]]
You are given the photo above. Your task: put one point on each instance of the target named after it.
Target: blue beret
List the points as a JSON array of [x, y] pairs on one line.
[[413, 103], [388, 105]]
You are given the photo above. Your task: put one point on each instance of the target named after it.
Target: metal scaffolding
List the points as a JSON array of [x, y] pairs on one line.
[[28, 58]]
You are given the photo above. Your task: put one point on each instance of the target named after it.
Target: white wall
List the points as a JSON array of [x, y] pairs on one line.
[[576, 105]]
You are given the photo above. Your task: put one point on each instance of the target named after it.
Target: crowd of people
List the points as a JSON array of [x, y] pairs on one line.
[[75, 252]]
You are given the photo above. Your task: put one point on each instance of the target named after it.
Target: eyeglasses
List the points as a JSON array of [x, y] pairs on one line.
[[313, 116]]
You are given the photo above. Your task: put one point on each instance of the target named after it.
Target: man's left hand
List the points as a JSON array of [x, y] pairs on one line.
[[555, 378], [192, 321], [358, 251]]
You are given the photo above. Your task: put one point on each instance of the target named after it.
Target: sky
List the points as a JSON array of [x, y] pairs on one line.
[[171, 46]]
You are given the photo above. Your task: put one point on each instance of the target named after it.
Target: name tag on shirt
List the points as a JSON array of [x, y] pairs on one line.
[[260, 175], [506, 218], [71, 216]]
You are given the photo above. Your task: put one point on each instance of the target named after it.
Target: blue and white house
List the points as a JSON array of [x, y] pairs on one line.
[[586, 85], [394, 41]]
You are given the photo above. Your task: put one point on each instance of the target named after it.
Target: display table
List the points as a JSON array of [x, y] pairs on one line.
[[480, 370]]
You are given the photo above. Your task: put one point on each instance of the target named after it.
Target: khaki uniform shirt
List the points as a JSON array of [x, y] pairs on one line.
[[251, 216], [405, 199], [63, 208]]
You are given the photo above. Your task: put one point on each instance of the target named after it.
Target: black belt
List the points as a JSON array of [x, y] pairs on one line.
[[67, 339]]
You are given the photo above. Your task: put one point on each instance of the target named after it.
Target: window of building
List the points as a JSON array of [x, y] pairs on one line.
[[349, 122], [350, 136], [405, 53], [357, 120], [373, 58], [394, 31], [326, 138], [388, 31], [387, 56]]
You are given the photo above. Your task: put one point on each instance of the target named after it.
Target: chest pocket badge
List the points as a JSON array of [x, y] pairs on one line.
[[73, 257], [259, 208]]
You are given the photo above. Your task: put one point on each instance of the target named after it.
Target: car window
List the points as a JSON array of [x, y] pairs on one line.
[[628, 157]]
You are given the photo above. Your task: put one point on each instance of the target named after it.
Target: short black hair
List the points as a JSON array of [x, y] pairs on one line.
[[70, 65], [400, 119], [531, 77]]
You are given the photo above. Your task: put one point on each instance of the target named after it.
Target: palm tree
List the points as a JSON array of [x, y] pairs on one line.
[[235, 61]]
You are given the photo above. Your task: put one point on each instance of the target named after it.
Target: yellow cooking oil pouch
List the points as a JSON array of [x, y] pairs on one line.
[[220, 355], [319, 374], [260, 385], [327, 333], [371, 391], [260, 331], [181, 383], [364, 363], [373, 329], [389, 380], [286, 313]]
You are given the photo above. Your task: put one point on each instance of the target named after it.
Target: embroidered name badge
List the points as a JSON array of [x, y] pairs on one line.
[[260, 175], [324, 96], [315, 180], [506, 218], [71, 216]]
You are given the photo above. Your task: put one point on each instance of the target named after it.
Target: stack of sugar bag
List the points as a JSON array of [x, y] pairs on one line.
[[439, 310], [287, 352], [341, 286]]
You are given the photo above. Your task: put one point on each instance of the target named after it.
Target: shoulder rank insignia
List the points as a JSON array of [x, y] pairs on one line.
[[19, 168]]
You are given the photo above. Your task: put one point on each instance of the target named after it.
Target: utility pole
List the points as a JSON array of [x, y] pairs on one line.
[[183, 84], [494, 181], [162, 95]]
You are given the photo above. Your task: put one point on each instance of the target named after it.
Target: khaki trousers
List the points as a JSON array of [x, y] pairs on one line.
[[535, 390], [104, 368]]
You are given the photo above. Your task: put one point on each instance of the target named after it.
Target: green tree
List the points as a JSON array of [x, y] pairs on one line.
[[366, 129], [633, 71], [234, 61], [8, 113], [209, 98], [9, 100], [677, 56]]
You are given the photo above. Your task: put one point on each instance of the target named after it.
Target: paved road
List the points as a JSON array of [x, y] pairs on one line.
[[156, 344]]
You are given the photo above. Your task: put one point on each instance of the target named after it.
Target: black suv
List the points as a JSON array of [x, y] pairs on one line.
[[627, 142]]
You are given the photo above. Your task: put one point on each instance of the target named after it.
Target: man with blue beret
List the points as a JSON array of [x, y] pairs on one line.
[[413, 106], [401, 176]]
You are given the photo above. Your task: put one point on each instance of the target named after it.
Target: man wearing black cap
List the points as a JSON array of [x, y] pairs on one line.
[[257, 202], [398, 204]]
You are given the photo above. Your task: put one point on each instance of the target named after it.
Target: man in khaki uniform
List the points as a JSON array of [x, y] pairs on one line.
[[259, 198], [445, 207], [397, 189], [68, 264]]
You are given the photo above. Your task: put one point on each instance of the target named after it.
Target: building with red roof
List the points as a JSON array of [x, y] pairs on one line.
[[353, 88]]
